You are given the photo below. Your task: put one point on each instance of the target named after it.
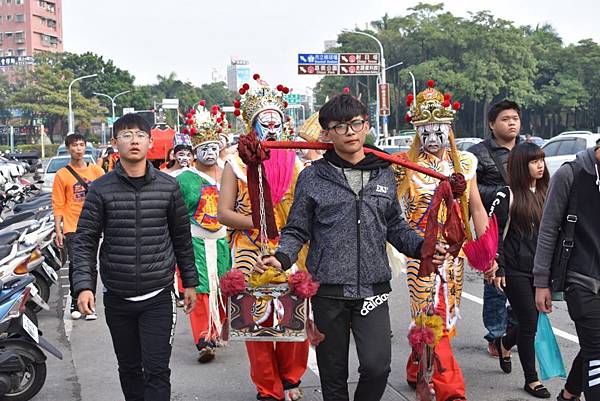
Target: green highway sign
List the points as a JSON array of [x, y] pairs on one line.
[[293, 98]]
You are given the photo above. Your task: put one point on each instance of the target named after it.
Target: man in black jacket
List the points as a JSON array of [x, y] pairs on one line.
[[346, 205], [578, 182], [141, 215], [504, 119]]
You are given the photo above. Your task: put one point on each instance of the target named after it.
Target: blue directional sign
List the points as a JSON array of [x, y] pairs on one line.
[[318, 58]]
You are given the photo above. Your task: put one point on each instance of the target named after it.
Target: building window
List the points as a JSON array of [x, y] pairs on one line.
[[18, 1], [20, 17], [51, 24], [8, 2], [1, 38], [19, 37], [50, 7], [21, 52], [8, 17], [8, 35], [9, 52]]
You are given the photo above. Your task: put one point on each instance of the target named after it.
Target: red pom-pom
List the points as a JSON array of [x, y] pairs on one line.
[[246, 86], [202, 103], [447, 96], [280, 88], [193, 131], [256, 77], [219, 120], [242, 91], [189, 115], [302, 284], [189, 122], [237, 103], [431, 83], [214, 112], [237, 112], [229, 125], [232, 283], [456, 105], [407, 118], [285, 104], [346, 90], [286, 90], [446, 103], [193, 111], [185, 131]]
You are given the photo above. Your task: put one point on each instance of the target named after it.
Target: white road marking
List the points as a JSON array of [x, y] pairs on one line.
[[558, 332]]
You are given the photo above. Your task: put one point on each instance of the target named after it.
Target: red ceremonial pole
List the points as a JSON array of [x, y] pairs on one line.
[[382, 155]]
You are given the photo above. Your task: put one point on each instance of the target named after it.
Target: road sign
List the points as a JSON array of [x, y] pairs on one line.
[[318, 58], [170, 103], [128, 110], [293, 98], [359, 69], [384, 99], [359, 58], [339, 64]]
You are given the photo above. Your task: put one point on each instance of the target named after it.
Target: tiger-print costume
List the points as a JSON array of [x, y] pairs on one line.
[[415, 204], [245, 244]]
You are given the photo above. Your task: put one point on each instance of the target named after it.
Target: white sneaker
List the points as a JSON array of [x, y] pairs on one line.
[[75, 315], [93, 316]]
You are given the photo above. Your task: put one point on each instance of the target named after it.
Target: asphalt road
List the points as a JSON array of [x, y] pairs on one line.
[[88, 371]]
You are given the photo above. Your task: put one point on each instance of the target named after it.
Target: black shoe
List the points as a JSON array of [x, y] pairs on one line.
[[561, 398], [505, 362], [412, 385], [538, 391], [206, 355]]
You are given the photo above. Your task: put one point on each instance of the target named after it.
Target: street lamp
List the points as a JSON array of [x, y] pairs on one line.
[[112, 102], [382, 74], [71, 117]]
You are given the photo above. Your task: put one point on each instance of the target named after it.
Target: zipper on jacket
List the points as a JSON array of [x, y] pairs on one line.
[[358, 213], [137, 241]]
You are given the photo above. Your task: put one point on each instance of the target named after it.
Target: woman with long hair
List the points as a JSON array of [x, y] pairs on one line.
[[518, 209]]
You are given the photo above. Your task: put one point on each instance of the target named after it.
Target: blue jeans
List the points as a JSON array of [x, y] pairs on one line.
[[496, 314]]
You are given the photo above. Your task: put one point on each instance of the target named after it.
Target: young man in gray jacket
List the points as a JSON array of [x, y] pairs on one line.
[[577, 181], [346, 206]]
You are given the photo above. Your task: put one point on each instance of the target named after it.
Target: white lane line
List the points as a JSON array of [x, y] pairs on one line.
[[558, 332], [312, 360]]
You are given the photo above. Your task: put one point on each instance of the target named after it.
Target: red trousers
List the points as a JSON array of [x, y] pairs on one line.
[[449, 384], [200, 318], [275, 366]]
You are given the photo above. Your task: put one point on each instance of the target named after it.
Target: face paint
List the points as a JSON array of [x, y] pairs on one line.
[[269, 125], [184, 158], [208, 153], [434, 137]]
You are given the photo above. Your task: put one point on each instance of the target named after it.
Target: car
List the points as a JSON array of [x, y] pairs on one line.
[[562, 148], [391, 149], [55, 164], [466, 143], [396, 141], [533, 139], [89, 150]]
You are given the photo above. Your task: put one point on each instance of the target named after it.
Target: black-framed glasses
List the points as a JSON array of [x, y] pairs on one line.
[[127, 136], [342, 128]]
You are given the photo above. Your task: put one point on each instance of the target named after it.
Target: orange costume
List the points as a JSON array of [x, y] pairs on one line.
[[276, 368]]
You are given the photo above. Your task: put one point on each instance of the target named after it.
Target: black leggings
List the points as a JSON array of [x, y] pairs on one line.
[[521, 295]]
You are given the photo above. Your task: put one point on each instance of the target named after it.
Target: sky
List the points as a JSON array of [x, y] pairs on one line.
[[193, 37]]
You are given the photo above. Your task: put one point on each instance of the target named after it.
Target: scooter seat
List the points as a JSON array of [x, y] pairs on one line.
[[15, 218], [5, 250], [33, 205], [9, 237]]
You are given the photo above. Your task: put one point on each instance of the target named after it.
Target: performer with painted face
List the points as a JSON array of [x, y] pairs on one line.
[[200, 189], [436, 297], [182, 154], [275, 367]]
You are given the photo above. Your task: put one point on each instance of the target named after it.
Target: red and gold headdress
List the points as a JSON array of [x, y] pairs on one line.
[[259, 98], [206, 126]]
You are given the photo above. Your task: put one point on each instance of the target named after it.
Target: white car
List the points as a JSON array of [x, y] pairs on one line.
[[466, 143], [55, 164], [562, 148]]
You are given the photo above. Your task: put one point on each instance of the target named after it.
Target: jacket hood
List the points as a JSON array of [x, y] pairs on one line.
[[370, 162], [587, 159]]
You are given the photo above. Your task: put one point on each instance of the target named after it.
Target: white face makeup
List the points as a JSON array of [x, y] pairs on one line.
[[184, 158], [269, 125], [434, 137], [208, 153]]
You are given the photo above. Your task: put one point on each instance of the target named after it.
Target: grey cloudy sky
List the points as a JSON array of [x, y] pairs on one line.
[[191, 37]]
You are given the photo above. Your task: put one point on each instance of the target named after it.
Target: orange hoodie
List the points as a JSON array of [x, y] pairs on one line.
[[68, 194]]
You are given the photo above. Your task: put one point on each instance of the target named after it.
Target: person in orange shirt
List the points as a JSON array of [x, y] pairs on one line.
[[68, 194]]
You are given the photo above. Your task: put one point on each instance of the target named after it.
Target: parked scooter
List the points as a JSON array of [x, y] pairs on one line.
[[22, 357]]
